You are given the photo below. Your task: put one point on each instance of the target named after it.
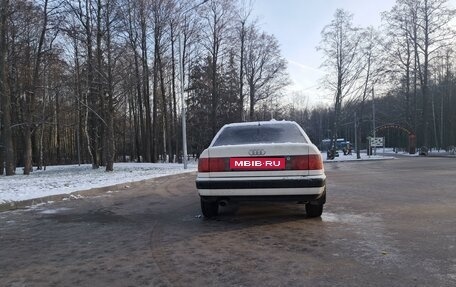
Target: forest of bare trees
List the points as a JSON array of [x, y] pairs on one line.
[[101, 81], [409, 59]]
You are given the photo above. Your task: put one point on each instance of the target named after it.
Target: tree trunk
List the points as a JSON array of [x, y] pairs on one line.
[[166, 137], [214, 99], [149, 150], [424, 83], [174, 104], [252, 99], [140, 133], [5, 95], [91, 107], [30, 97], [155, 104], [79, 97], [110, 142], [140, 139], [27, 144], [241, 74], [100, 78]]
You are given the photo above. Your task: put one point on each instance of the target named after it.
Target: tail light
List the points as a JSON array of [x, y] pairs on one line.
[[211, 164], [307, 162], [315, 162], [304, 162], [300, 163]]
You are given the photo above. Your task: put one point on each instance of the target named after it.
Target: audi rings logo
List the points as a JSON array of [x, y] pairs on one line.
[[257, 152]]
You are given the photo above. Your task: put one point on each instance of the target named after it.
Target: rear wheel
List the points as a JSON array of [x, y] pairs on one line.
[[209, 207], [314, 210]]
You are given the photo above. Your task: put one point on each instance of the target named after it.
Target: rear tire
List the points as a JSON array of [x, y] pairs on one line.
[[314, 210], [209, 207]]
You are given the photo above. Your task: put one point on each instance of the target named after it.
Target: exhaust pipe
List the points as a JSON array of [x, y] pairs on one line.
[[223, 202]]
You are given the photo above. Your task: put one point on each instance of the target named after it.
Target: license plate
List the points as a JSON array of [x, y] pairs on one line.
[[257, 163]]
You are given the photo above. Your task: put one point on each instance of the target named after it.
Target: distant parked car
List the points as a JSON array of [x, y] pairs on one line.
[[269, 160], [424, 151]]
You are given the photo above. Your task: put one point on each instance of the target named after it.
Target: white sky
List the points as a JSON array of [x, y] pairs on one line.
[[297, 24]]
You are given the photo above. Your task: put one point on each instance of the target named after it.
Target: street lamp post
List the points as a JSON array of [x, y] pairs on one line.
[[373, 119], [184, 120], [181, 70]]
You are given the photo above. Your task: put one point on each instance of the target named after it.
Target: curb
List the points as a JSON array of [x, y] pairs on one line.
[[358, 160], [23, 204]]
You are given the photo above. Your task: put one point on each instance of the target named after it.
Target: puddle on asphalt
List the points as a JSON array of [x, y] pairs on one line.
[[347, 218], [101, 215], [54, 211]]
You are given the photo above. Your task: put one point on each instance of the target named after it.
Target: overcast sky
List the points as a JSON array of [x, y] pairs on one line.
[[297, 25]]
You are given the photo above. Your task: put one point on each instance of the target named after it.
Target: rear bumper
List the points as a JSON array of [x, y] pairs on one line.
[[311, 186], [320, 199], [310, 182]]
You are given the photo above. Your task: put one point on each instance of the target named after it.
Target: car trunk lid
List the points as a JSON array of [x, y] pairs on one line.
[[261, 160]]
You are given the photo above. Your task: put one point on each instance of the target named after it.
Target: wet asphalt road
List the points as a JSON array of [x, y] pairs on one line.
[[386, 223]]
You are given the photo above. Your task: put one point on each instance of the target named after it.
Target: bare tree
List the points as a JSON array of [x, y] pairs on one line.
[[131, 16], [434, 23], [161, 13], [149, 139], [418, 31], [110, 109], [400, 52], [373, 69], [217, 15], [265, 69], [6, 132], [340, 45], [82, 10], [27, 29], [243, 15]]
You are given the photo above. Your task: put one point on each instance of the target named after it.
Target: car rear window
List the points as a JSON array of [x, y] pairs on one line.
[[261, 133]]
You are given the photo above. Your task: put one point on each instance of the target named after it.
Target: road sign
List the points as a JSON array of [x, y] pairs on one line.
[[376, 142]]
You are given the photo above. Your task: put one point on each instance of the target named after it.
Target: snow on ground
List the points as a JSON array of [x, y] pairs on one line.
[[65, 179], [387, 154]]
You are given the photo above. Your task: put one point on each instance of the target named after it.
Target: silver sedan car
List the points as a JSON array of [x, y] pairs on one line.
[[269, 160]]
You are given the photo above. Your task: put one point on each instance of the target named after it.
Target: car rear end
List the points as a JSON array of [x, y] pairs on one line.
[[260, 161]]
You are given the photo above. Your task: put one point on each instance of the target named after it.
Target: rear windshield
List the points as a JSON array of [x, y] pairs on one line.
[[256, 134]]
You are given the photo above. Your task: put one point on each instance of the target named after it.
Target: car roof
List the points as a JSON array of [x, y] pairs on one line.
[[255, 123], [260, 123]]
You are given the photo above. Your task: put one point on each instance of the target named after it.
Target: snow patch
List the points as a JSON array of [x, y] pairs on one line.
[[65, 179]]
